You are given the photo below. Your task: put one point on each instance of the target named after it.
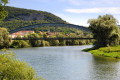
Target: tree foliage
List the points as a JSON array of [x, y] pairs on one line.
[[13, 69], [19, 44], [3, 13], [4, 2], [4, 38], [34, 42], [105, 31]]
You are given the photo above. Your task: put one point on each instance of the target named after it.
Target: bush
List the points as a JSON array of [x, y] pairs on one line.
[[62, 42], [33, 40], [69, 42], [54, 42], [19, 44], [13, 69], [82, 42], [76, 42], [45, 43]]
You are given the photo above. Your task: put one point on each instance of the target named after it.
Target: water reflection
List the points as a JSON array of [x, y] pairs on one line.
[[103, 68]]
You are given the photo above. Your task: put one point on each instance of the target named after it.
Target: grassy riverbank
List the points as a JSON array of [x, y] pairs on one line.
[[113, 52]]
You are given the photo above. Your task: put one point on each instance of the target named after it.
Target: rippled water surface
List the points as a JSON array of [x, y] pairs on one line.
[[69, 63]]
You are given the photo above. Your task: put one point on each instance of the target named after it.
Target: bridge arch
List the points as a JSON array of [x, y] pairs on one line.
[[49, 24]]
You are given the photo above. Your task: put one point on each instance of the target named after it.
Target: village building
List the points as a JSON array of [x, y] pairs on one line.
[[20, 33]]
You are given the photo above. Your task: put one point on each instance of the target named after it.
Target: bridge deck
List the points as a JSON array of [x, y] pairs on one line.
[[52, 38]]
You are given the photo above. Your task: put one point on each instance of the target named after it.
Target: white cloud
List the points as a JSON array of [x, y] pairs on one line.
[[109, 10]]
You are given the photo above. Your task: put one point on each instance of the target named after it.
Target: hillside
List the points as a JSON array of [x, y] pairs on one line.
[[27, 14], [18, 18]]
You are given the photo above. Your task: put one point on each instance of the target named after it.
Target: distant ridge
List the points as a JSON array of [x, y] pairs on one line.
[[20, 18], [28, 14]]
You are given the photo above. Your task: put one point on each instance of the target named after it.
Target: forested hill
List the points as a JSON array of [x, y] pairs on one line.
[[27, 14], [19, 17]]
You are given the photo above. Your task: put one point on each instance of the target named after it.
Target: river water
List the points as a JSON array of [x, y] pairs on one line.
[[69, 63]]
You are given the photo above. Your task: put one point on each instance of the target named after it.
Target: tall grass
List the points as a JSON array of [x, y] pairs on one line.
[[113, 52]]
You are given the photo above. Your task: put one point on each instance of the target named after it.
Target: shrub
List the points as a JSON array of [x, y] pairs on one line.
[[19, 44], [13, 69], [46, 43], [62, 42], [76, 42], [69, 42], [54, 42]]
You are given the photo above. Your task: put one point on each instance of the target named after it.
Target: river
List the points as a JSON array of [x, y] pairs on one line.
[[69, 63]]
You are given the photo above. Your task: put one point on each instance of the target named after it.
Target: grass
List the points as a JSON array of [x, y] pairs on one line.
[[113, 52]]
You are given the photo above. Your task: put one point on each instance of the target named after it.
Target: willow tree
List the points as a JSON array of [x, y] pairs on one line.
[[105, 31]]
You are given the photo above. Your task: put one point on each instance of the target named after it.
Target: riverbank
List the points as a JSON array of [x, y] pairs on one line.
[[113, 52]]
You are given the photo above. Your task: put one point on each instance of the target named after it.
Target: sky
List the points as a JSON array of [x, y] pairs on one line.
[[76, 12]]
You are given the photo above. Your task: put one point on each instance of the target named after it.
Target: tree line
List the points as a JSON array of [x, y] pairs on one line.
[[6, 42], [40, 43]]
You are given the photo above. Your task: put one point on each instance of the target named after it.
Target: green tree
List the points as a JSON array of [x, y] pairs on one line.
[[14, 69], [76, 42], [4, 2], [4, 38], [69, 42], [54, 42], [32, 41], [62, 42], [105, 31], [45, 43], [19, 44], [3, 13]]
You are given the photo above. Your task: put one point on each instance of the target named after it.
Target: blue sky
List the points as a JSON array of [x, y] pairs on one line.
[[73, 11]]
